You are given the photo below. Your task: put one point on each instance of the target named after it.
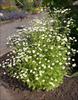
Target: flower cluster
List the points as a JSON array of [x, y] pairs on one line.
[[42, 52]]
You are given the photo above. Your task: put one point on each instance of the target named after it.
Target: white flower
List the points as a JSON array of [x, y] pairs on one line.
[[37, 78], [35, 69], [57, 61], [24, 29], [34, 61], [58, 38], [65, 39], [48, 61], [60, 54], [26, 59], [63, 67], [55, 33], [30, 57], [40, 49], [68, 53], [43, 65], [53, 64], [66, 64], [68, 47], [51, 21], [37, 53], [44, 45], [63, 11], [65, 21], [38, 44], [59, 46], [4, 73], [74, 65], [51, 29], [52, 84], [50, 36], [60, 63], [51, 68], [51, 47], [62, 43], [56, 80], [75, 40], [42, 38], [14, 76], [48, 66], [51, 78], [70, 38], [22, 71], [24, 74], [69, 58], [28, 80], [10, 65], [17, 77], [33, 51], [39, 68], [39, 62], [41, 55], [24, 49], [38, 21], [73, 59], [31, 71], [24, 43], [69, 63], [43, 80]]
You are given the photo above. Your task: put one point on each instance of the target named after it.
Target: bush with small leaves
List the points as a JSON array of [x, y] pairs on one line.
[[42, 53]]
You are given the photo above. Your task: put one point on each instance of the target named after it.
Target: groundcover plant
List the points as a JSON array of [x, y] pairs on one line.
[[42, 52]]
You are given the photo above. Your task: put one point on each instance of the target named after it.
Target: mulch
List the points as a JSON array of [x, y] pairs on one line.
[[16, 90]]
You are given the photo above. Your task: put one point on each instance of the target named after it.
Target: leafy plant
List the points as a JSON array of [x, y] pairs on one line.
[[42, 52], [58, 3]]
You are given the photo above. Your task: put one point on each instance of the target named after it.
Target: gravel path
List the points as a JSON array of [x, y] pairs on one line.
[[10, 28]]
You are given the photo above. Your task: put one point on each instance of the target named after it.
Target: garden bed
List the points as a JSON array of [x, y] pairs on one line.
[[67, 91]]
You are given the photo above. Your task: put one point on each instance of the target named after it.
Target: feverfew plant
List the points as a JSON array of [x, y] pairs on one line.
[[42, 52]]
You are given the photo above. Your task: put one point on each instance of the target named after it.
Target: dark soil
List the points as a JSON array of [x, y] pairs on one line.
[[12, 89]]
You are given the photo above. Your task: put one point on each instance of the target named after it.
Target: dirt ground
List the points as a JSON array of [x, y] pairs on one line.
[[12, 89]]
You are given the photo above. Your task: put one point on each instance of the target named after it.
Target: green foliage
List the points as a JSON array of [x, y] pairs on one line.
[[58, 3], [42, 53]]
